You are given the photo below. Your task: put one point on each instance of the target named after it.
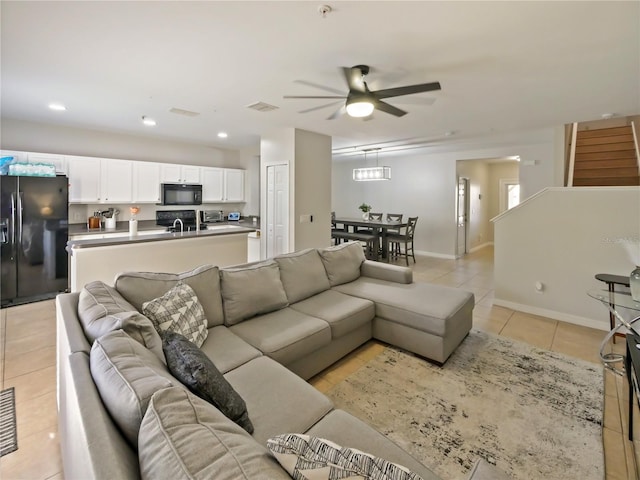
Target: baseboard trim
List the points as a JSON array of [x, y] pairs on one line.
[[563, 317], [480, 247], [435, 255]]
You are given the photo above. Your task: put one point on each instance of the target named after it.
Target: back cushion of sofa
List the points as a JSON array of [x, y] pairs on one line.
[[141, 287], [102, 309], [182, 436], [250, 290], [342, 262], [127, 375], [302, 274]]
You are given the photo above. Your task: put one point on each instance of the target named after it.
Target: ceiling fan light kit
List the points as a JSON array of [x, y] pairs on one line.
[[359, 108]]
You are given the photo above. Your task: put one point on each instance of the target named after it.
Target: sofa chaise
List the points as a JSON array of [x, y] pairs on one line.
[[265, 327]]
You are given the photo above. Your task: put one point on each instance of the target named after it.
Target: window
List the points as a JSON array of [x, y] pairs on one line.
[[513, 195]]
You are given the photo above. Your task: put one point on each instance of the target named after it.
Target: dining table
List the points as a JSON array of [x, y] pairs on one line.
[[380, 228]]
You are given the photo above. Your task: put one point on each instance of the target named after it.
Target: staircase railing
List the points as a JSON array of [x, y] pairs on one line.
[[635, 142], [572, 153]]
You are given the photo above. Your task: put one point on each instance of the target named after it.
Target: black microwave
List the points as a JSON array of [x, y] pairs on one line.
[[181, 194]]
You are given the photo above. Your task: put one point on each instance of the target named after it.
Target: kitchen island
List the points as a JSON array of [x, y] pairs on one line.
[[101, 255]]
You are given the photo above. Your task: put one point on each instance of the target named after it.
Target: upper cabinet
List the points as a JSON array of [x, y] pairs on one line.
[[116, 181], [146, 182], [84, 179], [172, 173], [233, 185], [59, 161], [212, 184]]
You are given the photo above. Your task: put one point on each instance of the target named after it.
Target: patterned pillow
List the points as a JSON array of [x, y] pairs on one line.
[[179, 311], [312, 458]]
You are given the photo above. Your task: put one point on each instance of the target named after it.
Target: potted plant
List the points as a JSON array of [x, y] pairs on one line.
[[365, 210]]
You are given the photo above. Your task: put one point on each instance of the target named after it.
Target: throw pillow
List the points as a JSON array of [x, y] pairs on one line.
[[250, 290], [342, 262], [180, 311], [312, 458], [194, 369]]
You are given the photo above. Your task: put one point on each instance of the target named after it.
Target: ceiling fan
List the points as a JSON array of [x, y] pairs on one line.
[[360, 101]]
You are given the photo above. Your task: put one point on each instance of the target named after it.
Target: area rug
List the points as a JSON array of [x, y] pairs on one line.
[[8, 436], [533, 413]]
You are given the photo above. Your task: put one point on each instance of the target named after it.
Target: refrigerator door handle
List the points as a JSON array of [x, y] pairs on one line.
[[20, 218]]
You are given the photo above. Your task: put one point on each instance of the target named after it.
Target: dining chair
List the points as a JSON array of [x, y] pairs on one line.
[[394, 217], [374, 217], [401, 244]]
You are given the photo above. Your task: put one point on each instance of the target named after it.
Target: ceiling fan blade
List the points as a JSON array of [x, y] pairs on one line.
[[318, 108], [408, 90], [341, 111], [354, 79], [385, 107], [321, 87], [414, 101], [314, 96]]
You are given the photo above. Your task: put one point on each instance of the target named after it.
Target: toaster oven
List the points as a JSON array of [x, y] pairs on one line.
[[212, 216]]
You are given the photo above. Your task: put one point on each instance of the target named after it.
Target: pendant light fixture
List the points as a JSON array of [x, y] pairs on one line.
[[369, 174]]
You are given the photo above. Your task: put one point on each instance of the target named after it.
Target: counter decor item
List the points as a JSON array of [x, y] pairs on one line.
[[110, 218], [365, 210], [133, 223], [634, 283]]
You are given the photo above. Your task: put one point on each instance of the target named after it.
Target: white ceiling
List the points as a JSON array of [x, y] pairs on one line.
[[504, 67]]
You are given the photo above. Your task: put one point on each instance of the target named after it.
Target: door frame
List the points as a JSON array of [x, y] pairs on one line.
[[467, 182]]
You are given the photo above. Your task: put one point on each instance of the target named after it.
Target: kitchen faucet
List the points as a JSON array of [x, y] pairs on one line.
[[181, 224]]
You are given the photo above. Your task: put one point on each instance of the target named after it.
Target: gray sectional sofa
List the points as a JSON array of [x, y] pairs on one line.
[[123, 414]]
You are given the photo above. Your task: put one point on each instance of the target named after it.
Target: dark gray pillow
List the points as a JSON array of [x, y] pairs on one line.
[[194, 369]]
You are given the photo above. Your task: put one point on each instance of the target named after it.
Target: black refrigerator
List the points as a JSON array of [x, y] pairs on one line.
[[34, 230]]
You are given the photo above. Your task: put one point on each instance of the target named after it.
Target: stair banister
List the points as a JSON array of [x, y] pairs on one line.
[[572, 155], [635, 142]]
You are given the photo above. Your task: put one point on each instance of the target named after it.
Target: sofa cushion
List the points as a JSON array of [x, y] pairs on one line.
[[422, 306], [250, 290], [178, 310], [302, 274], [278, 400], [227, 350], [182, 436], [342, 262], [102, 309], [314, 458], [343, 313], [345, 429], [194, 369], [285, 335], [127, 375], [140, 287]]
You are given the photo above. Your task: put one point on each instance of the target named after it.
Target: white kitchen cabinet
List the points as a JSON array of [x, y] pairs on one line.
[[17, 156], [146, 182], [233, 185], [116, 181], [84, 179], [59, 161], [212, 184], [173, 173]]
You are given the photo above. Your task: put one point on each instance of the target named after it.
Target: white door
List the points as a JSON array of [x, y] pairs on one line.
[[462, 217], [116, 181], [190, 174], [146, 182], [84, 179], [170, 173], [277, 240]]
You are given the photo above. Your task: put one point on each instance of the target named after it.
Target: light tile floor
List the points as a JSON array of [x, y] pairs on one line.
[[27, 362]]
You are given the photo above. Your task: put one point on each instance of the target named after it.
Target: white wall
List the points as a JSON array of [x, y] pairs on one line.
[[423, 182], [312, 190], [562, 238], [46, 138]]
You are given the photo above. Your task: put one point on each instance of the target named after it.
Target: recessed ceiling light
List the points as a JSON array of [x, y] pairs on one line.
[[58, 107], [149, 122], [222, 135]]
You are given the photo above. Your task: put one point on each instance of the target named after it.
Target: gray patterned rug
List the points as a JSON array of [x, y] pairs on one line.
[[535, 414]]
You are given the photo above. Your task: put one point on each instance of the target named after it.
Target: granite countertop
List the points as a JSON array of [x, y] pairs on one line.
[[220, 228]]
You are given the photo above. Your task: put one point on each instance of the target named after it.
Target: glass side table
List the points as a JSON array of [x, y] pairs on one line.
[[614, 302]]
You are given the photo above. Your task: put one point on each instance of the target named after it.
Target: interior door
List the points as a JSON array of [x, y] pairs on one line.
[[277, 241], [462, 216]]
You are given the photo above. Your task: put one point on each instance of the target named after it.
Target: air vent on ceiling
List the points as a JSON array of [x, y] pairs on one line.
[[262, 107], [186, 113]]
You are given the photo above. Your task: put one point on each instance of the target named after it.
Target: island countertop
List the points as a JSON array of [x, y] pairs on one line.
[[148, 231]]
